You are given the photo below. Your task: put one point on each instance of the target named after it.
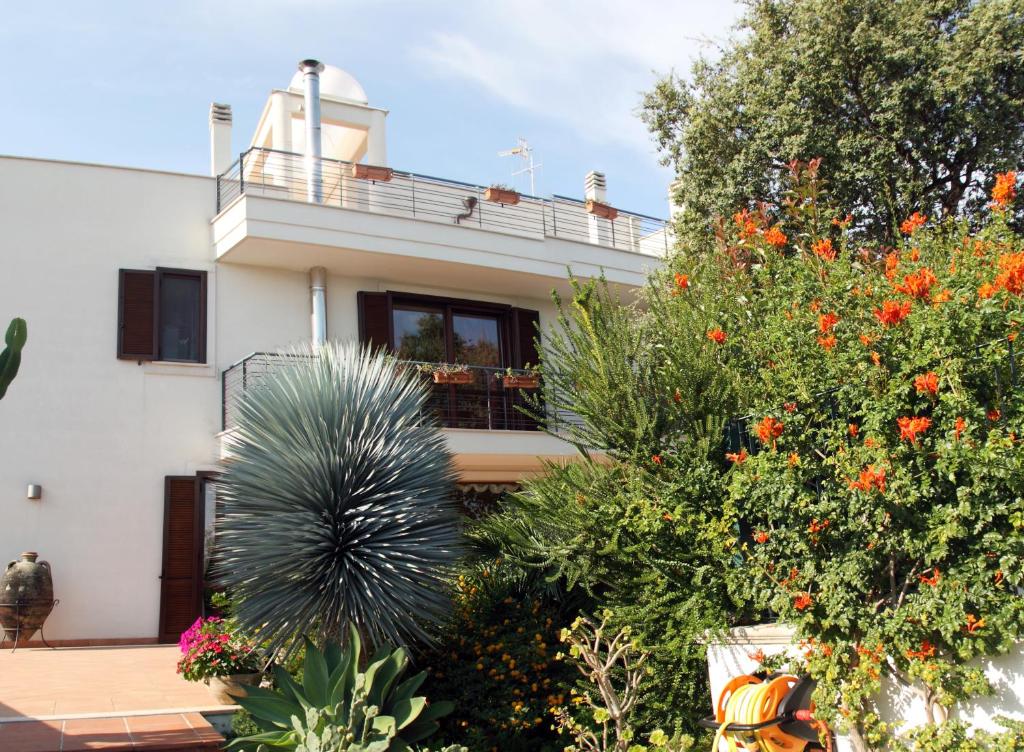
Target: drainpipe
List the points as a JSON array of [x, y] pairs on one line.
[[311, 70], [318, 296]]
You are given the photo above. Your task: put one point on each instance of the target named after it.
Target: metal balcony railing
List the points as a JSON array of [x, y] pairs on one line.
[[484, 403], [277, 174]]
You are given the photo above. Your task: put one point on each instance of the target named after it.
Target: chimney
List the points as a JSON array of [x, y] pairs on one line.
[[221, 155], [311, 70], [595, 188]]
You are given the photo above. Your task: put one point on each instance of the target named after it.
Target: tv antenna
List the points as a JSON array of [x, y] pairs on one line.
[[525, 152]]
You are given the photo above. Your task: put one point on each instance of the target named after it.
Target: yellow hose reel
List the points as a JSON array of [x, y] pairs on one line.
[[770, 714]]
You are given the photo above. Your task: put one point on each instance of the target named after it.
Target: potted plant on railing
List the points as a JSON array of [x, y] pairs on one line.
[[449, 373], [599, 209], [523, 378], [372, 172], [222, 659], [501, 194]]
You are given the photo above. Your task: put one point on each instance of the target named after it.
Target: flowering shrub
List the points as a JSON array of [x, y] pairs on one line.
[[210, 649], [498, 654], [881, 508]]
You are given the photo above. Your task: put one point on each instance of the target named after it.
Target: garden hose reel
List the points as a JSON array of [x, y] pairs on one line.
[[767, 713]]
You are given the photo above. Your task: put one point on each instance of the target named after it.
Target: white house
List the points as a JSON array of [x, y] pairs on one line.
[[153, 299]]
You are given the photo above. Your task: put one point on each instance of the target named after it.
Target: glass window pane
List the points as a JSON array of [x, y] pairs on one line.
[[419, 334], [180, 315], [476, 340]]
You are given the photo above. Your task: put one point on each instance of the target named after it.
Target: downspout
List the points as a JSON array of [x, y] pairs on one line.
[[318, 297], [311, 70]]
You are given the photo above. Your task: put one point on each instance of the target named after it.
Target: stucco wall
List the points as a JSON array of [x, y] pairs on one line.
[[99, 434]]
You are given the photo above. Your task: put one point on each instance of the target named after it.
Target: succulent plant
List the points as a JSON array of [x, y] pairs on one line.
[[336, 503], [338, 708], [10, 358]]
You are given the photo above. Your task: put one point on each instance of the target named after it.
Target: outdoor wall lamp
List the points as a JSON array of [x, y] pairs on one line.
[[34, 492]]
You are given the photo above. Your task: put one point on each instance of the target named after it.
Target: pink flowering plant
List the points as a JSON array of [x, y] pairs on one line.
[[210, 648]]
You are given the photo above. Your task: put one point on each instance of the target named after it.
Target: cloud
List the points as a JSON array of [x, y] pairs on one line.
[[584, 64]]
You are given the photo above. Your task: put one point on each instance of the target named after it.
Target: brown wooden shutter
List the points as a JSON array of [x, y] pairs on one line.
[[181, 580], [374, 319], [524, 337], [136, 315]]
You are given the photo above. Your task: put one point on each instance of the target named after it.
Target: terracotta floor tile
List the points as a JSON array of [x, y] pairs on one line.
[[203, 729], [97, 680], [31, 736], [95, 733], [161, 731]]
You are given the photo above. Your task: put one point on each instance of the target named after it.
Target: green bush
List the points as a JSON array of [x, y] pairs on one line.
[[497, 656], [638, 532]]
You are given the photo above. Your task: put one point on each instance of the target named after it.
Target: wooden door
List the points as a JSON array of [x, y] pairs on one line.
[[181, 577]]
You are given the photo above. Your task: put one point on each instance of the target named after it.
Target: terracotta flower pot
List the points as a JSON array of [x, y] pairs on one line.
[[373, 172], [601, 210], [501, 196], [453, 377], [26, 592], [521, 381], [226, 688]]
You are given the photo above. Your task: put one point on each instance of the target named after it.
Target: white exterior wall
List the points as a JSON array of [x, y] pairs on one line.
[[100, 434]]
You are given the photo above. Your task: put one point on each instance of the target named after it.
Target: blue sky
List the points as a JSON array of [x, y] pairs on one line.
[[131, 82]]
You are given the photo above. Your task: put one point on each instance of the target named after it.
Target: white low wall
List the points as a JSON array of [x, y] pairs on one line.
[[730, 657]]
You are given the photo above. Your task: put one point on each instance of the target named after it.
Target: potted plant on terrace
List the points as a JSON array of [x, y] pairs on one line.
[[599, 209], [449, 373], [372, 172], [527, 378], [501, 194], [213, 654]]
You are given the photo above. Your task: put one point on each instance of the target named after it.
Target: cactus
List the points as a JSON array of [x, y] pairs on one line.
[[10, 358]]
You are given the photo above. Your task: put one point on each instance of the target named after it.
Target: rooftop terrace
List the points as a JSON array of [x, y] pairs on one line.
[[382, 190]]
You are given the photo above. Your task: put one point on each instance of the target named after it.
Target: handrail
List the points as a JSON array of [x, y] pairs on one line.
[[281, 174], [486, 403]]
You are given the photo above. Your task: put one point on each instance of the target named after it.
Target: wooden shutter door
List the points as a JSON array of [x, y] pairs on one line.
[[374, 319], [524, 353], [136, 315], [181, 579], [524, 337]]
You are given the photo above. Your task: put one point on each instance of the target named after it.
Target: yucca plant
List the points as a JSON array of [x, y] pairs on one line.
[[336, 502], [338, 707]]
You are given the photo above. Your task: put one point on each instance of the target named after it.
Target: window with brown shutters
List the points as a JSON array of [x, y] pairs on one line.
[[438, 329], [162, 315]]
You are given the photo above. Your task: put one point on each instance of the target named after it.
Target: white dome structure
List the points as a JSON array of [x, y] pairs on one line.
[[334, 84]]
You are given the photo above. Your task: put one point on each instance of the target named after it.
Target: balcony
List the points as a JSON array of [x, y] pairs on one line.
[[286, 211], [483, 403]]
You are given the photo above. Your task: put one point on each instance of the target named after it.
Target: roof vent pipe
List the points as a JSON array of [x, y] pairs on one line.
[[311, 70]]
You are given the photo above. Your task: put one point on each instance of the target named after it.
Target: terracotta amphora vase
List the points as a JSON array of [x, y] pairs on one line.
[[26, 596]]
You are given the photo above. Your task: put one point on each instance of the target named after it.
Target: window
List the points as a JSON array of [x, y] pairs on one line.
[[447, 330], [162, 315]]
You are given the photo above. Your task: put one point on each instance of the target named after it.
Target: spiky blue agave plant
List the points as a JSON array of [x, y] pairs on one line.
[[336, 503]]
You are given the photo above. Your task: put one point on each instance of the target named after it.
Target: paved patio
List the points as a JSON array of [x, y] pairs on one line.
[[114, 698]]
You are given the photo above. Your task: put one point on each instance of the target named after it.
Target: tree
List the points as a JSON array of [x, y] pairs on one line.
[[633, 526], [336, 504], [881, 497], [913, 105]]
